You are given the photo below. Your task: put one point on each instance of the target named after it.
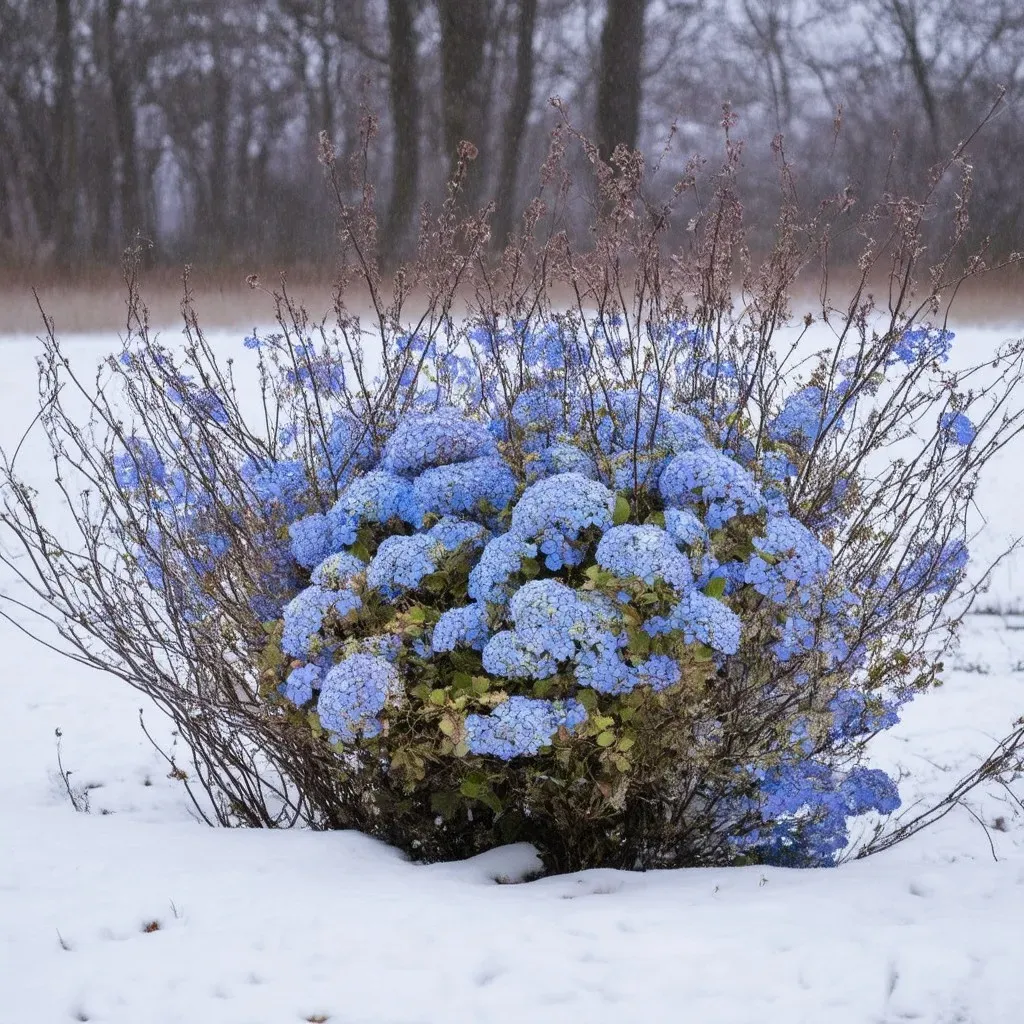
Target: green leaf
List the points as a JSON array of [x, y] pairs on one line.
[[434, 583], [622, 511], [715, 587], [447, 726], [588, 698], [639, 641], [471, 788], [438, 697], [417, 614], [462, 681], [530, 568], [625, 743], [490, 798], [481, 684], [605, 739]]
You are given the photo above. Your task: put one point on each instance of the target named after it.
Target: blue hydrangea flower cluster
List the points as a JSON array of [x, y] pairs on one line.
[[353, 694], [521, 726], [378, 497], [922, 343], [298, 688], [799, 561], [561, 457], [401, 562], [463, 487], [304, 616], [466, 625], [701, 619], [647, 552], [708, 477], [439, 438], [138, 465], [805, 415], [337, 571], [500, 560], [805, 806], [958, 428], [554, 512]]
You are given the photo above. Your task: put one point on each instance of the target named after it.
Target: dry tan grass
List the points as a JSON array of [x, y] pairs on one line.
[[223, 299], [96, 302]]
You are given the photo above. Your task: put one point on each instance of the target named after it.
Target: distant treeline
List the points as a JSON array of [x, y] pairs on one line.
[[193, 123]]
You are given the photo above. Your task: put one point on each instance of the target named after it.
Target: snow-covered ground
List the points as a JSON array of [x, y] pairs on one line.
[[133, 912]]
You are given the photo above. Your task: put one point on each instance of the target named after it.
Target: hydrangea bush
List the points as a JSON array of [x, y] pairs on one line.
[[621, 580]]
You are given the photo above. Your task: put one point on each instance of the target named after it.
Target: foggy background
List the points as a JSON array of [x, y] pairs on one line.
[[193, 123]]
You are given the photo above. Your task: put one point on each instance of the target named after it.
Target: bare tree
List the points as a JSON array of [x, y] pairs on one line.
[[515, 122], [465, 25], [66, 128], [404, 89], [619, 82]]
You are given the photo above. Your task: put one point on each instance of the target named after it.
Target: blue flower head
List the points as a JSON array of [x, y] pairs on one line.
[[804, 416], [304, 616], [501, 558], [701, 619], [646, 552], [921, 344], [453, 534], [354, 692], [511, 655], [799, 561], [280, 486], [457, 626], [521, 726], [462, 488], [600, 667], [423, 440], [659, 672], [377, 497], [937, 566], [337, 571], [705, 476], [299, 686], [561, 457], [556, 510], [401, 563], [138, 465], [957, 427], [684, 527]]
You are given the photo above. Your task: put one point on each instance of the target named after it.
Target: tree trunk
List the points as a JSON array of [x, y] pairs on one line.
[[618, 86], [906, 20], [219, 170], [515, 124], [120, 80], [405, 112], [464, 25], [67, 148]]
